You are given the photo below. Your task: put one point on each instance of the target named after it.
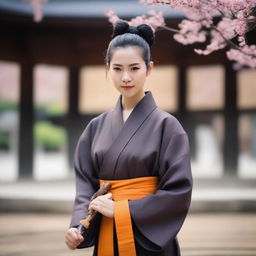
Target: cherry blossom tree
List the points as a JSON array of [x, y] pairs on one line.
[[221, 23]]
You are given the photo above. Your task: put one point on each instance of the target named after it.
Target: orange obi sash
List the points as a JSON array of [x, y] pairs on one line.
[[122, 191]]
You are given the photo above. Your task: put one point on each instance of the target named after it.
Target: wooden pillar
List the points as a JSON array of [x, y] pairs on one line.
[[183, 116], [186, 120], [73, 112], [231, 123], [26, 144], [181, 110], [181, 91]]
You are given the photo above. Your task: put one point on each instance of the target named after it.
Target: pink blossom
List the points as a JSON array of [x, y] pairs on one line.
[[241, 41], [217, 43], [154, 19], [112, 17], [246, 57], [190, 32], [190, 38], [226, 27], [37, 8], [233, 17]]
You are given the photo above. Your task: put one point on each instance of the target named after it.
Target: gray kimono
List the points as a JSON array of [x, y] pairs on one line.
[[150, 143]]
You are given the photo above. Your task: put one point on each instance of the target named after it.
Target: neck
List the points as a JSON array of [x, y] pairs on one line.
[[130, 102]]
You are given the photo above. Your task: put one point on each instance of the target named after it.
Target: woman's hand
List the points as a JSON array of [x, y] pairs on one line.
[[103, 204], [73, 238]]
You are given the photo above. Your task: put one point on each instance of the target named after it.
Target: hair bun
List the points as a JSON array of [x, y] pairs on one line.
[[120, 28], [146, 32], [143, 30]]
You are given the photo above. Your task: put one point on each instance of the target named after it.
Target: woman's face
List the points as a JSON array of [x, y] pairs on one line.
[[128, 71]]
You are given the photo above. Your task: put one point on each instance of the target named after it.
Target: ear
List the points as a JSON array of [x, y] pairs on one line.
[[150, 67]]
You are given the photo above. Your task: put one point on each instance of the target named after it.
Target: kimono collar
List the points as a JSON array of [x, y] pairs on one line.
[[122, 132], [142, 109]]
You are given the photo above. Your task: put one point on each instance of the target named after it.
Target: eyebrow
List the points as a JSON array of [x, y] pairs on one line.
[[119, 65]]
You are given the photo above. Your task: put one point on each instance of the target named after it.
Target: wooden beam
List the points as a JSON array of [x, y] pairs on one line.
[[73, 112], [231, 123]]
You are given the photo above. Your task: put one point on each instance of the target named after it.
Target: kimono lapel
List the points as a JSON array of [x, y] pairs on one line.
[[117, 122], [123, 132]]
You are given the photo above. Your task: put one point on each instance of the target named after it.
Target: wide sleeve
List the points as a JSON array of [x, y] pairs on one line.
[[86, 185], [158, 217]]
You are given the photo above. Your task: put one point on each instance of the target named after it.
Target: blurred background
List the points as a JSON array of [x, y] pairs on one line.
[[53, 81]]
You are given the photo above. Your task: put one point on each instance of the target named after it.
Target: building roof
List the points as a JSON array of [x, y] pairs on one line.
[[85, 8]]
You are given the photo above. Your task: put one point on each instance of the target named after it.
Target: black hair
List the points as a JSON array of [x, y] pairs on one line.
[[125, 35]]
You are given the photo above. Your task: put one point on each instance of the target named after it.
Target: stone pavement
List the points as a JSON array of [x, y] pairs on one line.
[[34, 216], [222, 234]]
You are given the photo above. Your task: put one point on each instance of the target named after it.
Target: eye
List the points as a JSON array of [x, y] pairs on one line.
[[117, 69], [135, 68]]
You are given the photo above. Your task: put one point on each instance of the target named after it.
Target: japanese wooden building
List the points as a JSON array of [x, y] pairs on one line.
[[74, 40]]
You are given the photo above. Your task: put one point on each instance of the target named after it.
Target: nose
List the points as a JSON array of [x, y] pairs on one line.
[[126, 77]]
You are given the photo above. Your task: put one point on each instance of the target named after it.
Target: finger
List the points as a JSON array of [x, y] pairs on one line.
[[80, 238], [70, 245], [74, 235], [73, 238], [71, 242], [109, 196], [93, 203], [104, 198], [95, 207], [79, 235]]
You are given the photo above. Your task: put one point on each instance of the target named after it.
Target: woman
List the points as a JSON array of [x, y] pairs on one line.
[[142, 151]]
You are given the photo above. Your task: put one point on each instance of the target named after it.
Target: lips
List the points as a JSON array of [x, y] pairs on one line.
[[127, 87]]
